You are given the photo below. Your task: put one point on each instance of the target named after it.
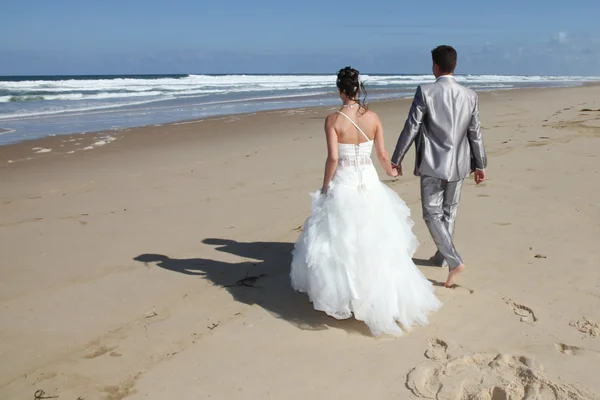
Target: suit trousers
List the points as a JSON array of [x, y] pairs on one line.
[[440, 199]]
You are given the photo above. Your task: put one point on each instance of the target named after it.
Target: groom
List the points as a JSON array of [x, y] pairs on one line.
[[444, 124]]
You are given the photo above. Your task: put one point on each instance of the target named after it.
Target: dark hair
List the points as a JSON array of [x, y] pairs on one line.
[[348, 82], [445, 58]]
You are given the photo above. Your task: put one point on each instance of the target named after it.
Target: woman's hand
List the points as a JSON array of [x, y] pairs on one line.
[[393, 173]]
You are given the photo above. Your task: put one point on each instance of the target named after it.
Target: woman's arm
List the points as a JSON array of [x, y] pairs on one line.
[[382, 154], [332, 152]]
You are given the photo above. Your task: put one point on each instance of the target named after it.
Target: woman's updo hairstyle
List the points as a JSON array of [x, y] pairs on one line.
[[348, 82]]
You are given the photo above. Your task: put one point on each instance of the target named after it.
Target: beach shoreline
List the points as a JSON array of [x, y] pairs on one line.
[[55, 106], [69, 144], [120, 263]]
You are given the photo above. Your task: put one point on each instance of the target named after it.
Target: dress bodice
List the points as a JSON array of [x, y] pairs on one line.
[[352, 155], [355, 155]]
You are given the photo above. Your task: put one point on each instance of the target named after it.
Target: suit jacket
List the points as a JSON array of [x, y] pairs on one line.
[[444, 124]]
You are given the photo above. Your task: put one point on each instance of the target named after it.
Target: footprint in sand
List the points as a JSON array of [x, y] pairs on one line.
[[568, 350], [438, 350], [502, 223], [45, 377], [460, 289], [588, 327], [119, 392], [99, 351], [574, 350], [491, 377], [527, 315]]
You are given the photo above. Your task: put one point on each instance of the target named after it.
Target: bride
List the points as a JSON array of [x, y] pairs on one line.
[[354, 255]]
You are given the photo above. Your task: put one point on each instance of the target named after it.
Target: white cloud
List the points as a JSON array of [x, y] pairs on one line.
[[561, 37]]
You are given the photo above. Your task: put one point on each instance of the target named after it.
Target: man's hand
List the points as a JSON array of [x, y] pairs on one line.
[[479, 176], [397, 168]]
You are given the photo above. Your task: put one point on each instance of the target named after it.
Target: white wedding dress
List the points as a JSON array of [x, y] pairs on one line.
[[354, 255]]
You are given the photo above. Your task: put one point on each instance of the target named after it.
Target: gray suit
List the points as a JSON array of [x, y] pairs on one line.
[[444, 124]]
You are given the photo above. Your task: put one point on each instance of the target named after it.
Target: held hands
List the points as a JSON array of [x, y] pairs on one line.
[[396, 171], [479, 176]]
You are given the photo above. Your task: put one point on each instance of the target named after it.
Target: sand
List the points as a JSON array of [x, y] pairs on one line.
[[123, 265]]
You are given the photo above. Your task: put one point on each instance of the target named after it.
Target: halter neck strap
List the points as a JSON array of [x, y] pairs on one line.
[[355, 125]]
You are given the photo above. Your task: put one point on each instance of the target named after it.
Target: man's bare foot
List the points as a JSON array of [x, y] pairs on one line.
[[452, 275]]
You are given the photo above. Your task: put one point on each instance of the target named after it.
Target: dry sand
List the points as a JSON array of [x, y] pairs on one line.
[[119, 264]]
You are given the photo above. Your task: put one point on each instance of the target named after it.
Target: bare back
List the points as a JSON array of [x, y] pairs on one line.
[[359, 129], [348, 134]]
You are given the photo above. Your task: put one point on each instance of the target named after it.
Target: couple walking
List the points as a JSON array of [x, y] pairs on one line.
[[354, 256]]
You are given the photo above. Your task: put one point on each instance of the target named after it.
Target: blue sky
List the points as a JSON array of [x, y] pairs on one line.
[[227, 36]]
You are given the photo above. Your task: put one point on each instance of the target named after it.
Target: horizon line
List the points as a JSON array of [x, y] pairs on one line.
[[266, 74]]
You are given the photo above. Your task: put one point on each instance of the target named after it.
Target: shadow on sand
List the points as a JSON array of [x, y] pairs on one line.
[[263, 281]]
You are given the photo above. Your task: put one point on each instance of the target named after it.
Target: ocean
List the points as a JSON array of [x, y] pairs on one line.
[[37, 106]]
